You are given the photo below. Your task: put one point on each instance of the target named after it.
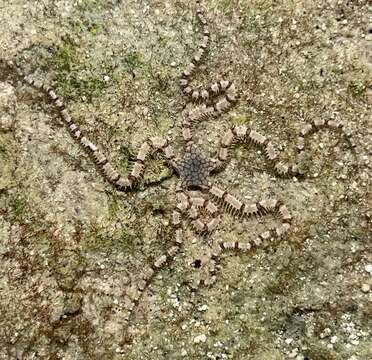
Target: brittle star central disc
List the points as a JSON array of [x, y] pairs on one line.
[[194, 168]]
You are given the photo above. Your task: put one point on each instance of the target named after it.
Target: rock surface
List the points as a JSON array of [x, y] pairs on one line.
[[70, 244]]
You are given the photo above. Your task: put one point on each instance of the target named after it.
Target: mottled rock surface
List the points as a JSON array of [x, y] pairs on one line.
[[70, 244]]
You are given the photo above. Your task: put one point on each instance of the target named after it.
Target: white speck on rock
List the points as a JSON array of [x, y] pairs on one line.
[[288, 341], [368, 268], [365, 288], [326, 332], [200, 339], [333, 339]]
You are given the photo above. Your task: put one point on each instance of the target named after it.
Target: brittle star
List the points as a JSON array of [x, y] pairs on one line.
[[195, 168]]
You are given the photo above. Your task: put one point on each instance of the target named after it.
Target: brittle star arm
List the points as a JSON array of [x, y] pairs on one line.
[[238, 208], [190, 205], [204, 112], [214, 89], [217, 97], [134, 293], [112, 175], [245, 135]]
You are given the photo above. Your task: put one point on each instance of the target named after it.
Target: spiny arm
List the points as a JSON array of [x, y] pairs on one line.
[[111, 174]]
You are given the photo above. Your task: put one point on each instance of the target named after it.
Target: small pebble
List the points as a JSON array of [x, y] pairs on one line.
[[200, 339], [326, 332], [365, 288]]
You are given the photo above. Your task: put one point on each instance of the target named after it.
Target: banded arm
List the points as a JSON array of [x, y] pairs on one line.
[[190, 206], [238, 208], [216, 98], [190, 69], [134, 293], [110, 173], [205, 112], [213, 90], [245, 135]]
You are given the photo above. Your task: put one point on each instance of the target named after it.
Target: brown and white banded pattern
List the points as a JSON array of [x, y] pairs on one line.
[[244, 135], [240, 209], [208, 111], [200, 53], [112, 175], [216, 98]]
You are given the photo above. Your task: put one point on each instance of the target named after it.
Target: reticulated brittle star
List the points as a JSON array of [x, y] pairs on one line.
[[194, 168]]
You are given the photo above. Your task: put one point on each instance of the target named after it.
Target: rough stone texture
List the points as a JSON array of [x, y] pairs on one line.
[[70, 245]]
